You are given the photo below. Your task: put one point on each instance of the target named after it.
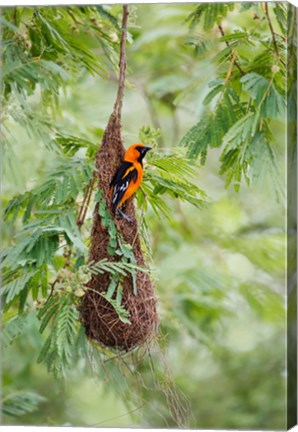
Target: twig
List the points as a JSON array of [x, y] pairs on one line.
[[15, 16], [143, 192], [52, 288], [273, 33], [227, 43], [248, 105], [91, 184], [260, 20], [122, 64], [175, 120], [119, 416], [69, 11], [231, 67], [67, 256], [271, 29], [85, 203]]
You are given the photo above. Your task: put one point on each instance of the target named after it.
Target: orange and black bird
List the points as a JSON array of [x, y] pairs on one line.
[[128, 178]]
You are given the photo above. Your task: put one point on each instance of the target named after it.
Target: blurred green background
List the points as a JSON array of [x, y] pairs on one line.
[[219, 272]]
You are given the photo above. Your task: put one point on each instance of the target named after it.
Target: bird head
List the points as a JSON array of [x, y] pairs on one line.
[[136, 153]]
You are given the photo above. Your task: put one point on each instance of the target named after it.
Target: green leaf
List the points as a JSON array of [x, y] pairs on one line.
[[266, 303], [210, 14], [20, 403], [13, 288], [61, 315], [186, 191], [201, 43], [270, 103], [213, 126], [196, 139], [60, 186], [104, 13], [128, 255], [114, 267], [71, 144], [214, 92], [48, 312], [55, 68], [239, 133], [66, 331], [8, 24], [15, 204], [280, 11], [44, 352], [158, 204], [112, 286], [237, 35], [173, 164], [119, 295], [121, 312], [12, 329], [264, 164], [246, 5]]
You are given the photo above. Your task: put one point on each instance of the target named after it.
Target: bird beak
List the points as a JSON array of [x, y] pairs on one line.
[[147, 148]]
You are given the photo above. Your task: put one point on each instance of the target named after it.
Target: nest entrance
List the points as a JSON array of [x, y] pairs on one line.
[[99, 317]]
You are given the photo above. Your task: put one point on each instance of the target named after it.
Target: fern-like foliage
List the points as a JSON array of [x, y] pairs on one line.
[[44, 50], [34, 59], [13, 288], [60, 187], [170, 174], [59, 315], [270, 103], [58, 349], [247, 96], [49, 214], [20, 403], [71, 144], [200, 43], [210, 14], [12, 329]]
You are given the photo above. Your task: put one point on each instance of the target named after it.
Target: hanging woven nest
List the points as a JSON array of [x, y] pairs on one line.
[[98, 315]]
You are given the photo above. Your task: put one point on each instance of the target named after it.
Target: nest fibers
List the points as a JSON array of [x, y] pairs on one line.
[[99, 317]]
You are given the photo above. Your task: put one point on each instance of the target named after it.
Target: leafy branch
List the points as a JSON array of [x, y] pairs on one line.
[[234, 61], [19, 403], [272, 31], [242, 108]]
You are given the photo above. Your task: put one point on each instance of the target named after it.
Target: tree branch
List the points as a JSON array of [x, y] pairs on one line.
[[273, 34], [227, 43], [230, 67], [271, 29], [85, 203], [117, 111], [122, 64], [15, 21]]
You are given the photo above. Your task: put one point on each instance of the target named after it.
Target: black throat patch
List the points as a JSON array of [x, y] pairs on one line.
[[142, 154]]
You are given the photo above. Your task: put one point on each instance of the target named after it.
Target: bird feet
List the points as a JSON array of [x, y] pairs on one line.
[[120, 214]]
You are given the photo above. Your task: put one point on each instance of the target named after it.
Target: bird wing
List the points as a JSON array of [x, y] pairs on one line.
[[121, 181]]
